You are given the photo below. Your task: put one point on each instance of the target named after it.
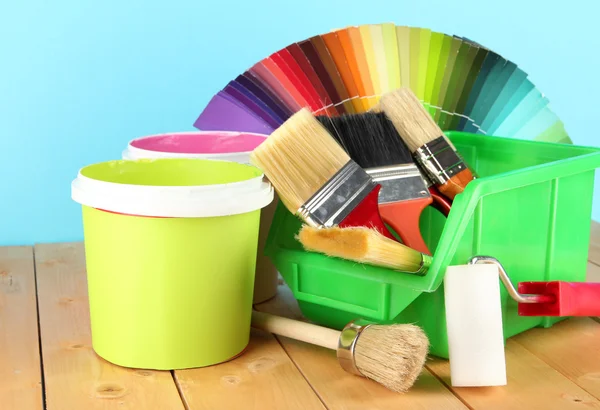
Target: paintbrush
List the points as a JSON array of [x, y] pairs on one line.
[[440, 202], [391, 355], [364, 245], [431, 149], [372, 141], [315, 178]]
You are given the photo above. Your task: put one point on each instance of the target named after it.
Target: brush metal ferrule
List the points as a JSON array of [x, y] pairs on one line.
[[347, 345], [439, 160], [399, 182], [331, 204], [425, 264]]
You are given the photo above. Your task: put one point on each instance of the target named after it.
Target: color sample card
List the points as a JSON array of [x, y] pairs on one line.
[[423, 55], [403, 42], [439, 75], [463, 85], [336, 51], [435, 49], [369, 55], [361, 59], [390, 43], [414, 48], [379, 50]]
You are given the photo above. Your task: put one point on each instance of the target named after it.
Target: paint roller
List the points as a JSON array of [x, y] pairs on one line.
[[474, 315]]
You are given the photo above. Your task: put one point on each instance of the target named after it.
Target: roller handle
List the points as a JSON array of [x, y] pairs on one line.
[[404, 218], [570, 299], [295, 329], [367, 214]]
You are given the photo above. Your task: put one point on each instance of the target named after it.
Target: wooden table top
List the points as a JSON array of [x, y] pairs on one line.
[[46, 358]]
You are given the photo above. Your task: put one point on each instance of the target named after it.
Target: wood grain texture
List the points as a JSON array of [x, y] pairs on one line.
[[532, 385], [572, 347], [75, 377], [341, 390], [263, 377], [20, 370]]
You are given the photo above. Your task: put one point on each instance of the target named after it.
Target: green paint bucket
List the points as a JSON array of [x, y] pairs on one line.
[[170, 255]]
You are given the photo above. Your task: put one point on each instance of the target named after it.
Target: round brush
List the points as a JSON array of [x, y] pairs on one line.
[[391, 355]]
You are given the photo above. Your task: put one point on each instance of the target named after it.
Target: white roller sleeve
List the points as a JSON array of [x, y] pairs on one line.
[[474, 323]]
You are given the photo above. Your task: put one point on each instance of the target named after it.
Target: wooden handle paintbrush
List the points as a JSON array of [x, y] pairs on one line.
[[392, 355], [316, 179], [431, 149]]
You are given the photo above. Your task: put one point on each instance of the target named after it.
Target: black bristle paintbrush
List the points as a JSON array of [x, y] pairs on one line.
[[371, 140], [382, 156]]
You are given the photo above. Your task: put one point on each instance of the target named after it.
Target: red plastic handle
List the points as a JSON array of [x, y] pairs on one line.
[[440, 202], [404, 217], [367, 214], [570, 299]]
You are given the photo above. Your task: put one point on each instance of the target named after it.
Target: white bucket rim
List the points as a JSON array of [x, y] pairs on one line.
[[192, 201], [134, 153]]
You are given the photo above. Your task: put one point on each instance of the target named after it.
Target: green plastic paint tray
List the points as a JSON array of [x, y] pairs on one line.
[[530, 208]]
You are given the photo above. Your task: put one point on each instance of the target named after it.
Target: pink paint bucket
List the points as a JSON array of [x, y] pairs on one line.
[[223, 146]]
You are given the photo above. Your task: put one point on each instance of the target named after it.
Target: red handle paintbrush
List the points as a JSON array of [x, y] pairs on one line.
[[316, 179]]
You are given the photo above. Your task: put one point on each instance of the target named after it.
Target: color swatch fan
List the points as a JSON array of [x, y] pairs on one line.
[[464, 86]]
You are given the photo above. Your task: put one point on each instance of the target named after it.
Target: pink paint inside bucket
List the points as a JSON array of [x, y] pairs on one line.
[[204, 142]]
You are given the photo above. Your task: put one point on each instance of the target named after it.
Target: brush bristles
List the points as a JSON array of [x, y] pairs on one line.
[[361, 244], [369, 138], [410, 118], [376, 108], [298, 158], [393, 355]]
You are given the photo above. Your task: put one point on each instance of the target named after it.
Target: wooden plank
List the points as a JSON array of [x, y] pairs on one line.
[[75, 377], [341, 390], [572, 348], [20, 370], [594, 253], [593, 273], [263, 377], [532, 384]]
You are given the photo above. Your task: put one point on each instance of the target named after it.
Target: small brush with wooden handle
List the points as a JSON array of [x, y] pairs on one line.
[[431, 149], [391, 355]]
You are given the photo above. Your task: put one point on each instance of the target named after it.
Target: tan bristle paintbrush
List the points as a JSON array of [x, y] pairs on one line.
[[392, 355], [364, 245], [315, 178], [431, 149]]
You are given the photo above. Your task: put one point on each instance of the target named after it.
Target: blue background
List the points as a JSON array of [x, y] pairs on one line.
[[80, 78]]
